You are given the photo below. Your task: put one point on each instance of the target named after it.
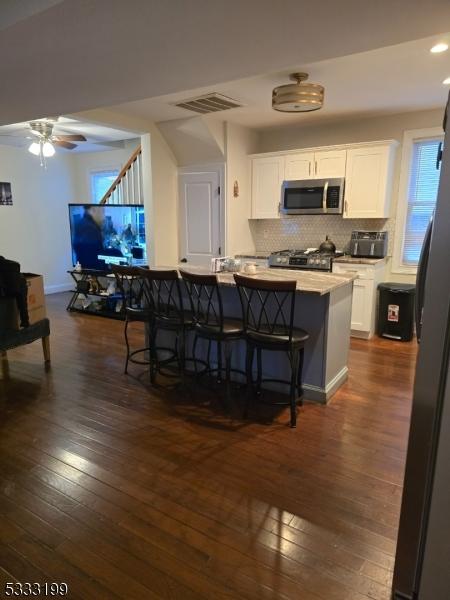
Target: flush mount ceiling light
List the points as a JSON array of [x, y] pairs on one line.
[[299, 96], [446, 81], [437, 48]]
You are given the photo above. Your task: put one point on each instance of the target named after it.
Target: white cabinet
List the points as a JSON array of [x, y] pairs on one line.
[[367, 169], [364, 301], [368, 181], [267, 177], [330, 163], [361, 301], [315, 165], [299, 166]]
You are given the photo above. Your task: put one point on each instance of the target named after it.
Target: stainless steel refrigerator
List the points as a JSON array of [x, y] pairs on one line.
[[422, 563]]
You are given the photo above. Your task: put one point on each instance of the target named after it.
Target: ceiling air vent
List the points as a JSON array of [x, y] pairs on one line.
[[208, 103]]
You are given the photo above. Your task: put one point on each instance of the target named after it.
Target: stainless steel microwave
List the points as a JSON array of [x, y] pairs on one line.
[[313, 197]]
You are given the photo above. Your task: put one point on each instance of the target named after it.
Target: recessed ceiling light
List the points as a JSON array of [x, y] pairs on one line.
[[441, 47], [446, 81]]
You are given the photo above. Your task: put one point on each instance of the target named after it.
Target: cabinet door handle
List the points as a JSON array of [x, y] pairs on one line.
[[315, 167], [309, 168], [346, 207]]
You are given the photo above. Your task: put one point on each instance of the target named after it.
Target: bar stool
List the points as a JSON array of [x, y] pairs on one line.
[[268, 309], [130, 283], [163, 295], [209, 322]]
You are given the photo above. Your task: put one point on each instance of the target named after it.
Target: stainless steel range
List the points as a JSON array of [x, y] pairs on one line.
[[301, 259]]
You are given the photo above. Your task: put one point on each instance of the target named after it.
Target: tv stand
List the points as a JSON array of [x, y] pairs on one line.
[[90, 295]]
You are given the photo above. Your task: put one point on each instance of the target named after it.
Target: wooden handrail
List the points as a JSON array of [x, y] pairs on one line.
[[121, 175]]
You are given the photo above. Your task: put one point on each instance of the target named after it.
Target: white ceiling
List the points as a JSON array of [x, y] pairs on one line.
[[99, 138], [83, 55], [398, 78]]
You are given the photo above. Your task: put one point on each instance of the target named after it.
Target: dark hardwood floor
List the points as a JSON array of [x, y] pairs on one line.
[[126, 492]]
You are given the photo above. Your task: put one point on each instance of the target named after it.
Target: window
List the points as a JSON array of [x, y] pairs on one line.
[[101, 181], [417, 197]]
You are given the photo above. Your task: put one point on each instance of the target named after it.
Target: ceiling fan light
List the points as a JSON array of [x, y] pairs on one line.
[[299, 96], [48, 149], [34, 148]]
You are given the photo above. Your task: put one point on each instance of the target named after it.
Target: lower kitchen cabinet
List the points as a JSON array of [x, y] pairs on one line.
[[364, 301]]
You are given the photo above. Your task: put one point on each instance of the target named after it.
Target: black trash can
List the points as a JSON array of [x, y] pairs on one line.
[[396, 311]]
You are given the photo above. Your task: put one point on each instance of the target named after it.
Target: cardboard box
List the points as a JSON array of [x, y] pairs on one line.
[[36, 298]]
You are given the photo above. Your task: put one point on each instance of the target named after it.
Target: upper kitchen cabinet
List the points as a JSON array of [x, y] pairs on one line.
[[315, 165], [368, 181], [267, 178], [367, 168], [299, 166], [330, 163]]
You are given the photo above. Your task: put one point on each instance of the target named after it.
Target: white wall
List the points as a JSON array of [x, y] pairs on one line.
[[193, 141], [349, 131], [240, 142], [35, 229], [160, 199], [85, 162]]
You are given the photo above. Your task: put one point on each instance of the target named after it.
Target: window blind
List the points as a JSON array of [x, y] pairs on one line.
[[422, 194]]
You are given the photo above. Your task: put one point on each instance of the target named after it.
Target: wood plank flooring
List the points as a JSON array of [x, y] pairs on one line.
[[123, 491]]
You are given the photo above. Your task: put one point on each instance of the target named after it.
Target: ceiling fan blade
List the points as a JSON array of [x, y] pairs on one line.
[[70, 137], [63, 144]]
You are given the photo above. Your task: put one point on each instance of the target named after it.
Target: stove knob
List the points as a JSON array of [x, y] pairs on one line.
[[310, 261], [285, 260], [323, 261], [278, 260], [317, 261]]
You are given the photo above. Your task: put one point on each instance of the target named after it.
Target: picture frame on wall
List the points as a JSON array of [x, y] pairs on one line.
[[5, 194]]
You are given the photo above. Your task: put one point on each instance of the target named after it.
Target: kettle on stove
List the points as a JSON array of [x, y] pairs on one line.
[[327, 247]]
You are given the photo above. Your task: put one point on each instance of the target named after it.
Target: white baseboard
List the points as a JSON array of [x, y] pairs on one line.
[[323, 395], [362, 335], [55, 289]]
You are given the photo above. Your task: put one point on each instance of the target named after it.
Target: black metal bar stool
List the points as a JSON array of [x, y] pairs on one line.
[[209, 322], [163, 295], [130, 284], [268, 309]]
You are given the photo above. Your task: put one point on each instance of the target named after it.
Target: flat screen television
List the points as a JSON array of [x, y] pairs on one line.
[[105, 234]]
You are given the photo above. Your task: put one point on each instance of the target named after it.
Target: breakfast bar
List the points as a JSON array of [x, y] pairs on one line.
[[322, 308]]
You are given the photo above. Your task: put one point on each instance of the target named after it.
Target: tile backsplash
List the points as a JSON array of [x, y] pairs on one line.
[[308, 231]]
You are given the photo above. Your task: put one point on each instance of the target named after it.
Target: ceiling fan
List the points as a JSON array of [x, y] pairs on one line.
[[45, 138]]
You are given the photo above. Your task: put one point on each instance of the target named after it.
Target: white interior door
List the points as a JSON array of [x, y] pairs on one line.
[[200, 216]]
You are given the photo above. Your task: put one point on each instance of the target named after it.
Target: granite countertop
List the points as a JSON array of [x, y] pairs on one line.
[[358, 261], [307, 281]]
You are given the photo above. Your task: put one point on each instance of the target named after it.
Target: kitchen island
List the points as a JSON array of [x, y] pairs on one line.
[[323, 309]]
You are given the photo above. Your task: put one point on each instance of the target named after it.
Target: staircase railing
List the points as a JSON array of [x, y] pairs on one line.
[[127, 187]]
